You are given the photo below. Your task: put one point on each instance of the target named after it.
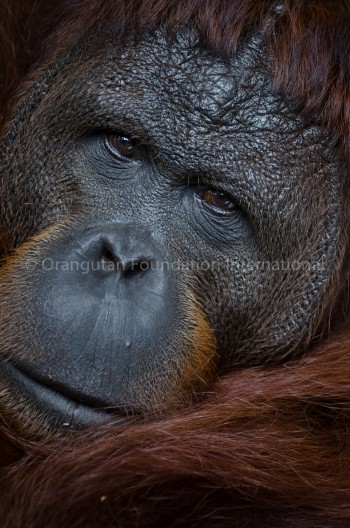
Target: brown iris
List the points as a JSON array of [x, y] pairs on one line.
[[219, 202], [122, 147]]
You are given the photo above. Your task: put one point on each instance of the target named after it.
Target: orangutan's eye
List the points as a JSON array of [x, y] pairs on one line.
[[218, 202], [122, 147]]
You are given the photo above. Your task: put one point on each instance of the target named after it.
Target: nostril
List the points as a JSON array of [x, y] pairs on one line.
[[108, 254], [129, 267], [119, 254], [108, 259], [135, 267]]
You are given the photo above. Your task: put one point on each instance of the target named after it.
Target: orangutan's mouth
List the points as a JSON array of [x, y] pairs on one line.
[[63, 411]]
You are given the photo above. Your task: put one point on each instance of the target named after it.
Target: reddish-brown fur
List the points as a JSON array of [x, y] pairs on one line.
[[268, 447]]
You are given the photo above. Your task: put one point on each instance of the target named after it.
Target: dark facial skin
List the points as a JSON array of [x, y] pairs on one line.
[[167, 216]]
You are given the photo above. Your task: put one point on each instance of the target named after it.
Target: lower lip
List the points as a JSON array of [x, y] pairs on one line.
[[60, 411]]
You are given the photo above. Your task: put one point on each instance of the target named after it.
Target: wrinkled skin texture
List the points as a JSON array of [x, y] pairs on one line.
[[199, 125]]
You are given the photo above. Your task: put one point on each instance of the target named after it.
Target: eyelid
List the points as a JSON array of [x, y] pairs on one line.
[[200, 187], [214, 187], [117, 153]]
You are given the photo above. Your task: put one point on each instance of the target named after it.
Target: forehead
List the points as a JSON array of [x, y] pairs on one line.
[[164, 84], [197, 111], [178, 74]]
